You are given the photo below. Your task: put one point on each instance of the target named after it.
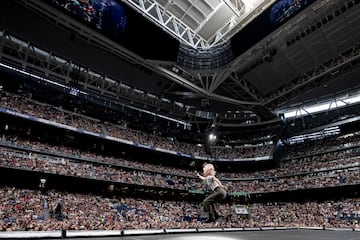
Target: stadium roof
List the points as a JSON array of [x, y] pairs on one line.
[[201, 23], [311, 57]]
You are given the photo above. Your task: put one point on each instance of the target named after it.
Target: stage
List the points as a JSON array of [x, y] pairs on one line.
[[293, 234]]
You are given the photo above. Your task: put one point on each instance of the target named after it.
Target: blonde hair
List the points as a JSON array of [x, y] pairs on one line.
[[208, 167]]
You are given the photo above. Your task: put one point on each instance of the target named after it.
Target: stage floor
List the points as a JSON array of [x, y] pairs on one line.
[[249, 235]]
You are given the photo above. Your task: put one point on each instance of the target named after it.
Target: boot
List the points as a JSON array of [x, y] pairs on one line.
[[210, 219], [217, 216]]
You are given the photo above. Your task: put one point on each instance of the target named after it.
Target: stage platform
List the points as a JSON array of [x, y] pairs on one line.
[[195, 234], [292, 234]]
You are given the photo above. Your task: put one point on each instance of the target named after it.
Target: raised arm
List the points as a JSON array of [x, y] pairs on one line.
[[200, 176]]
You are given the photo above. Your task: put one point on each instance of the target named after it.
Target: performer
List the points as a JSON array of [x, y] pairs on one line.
[[218, 191]]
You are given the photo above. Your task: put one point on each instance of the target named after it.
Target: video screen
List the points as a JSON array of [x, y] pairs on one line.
[[106, 15], [124, 25], [285, 9], [268, 21]]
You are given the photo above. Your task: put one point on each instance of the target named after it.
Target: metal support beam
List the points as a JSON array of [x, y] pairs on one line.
[[329, 70], [61, 72], [247, 87], [168, 22], [185, 83]]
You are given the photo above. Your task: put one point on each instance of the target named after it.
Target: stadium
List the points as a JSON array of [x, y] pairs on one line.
[[112, 110]]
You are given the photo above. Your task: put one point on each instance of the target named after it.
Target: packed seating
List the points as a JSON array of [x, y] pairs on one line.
[[31, 210], [342, 168], [28, 106], [320, 164]]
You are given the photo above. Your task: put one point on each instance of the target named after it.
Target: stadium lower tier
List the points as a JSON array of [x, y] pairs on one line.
[[35, 210]]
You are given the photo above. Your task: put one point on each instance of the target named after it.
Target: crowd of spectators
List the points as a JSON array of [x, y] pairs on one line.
[[342, 168], [327, 163], [327, 144], [28, 106], [31, 210]]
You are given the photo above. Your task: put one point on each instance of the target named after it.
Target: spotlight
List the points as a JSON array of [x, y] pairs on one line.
[[212, 137], [42, 185], [42, 182]]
